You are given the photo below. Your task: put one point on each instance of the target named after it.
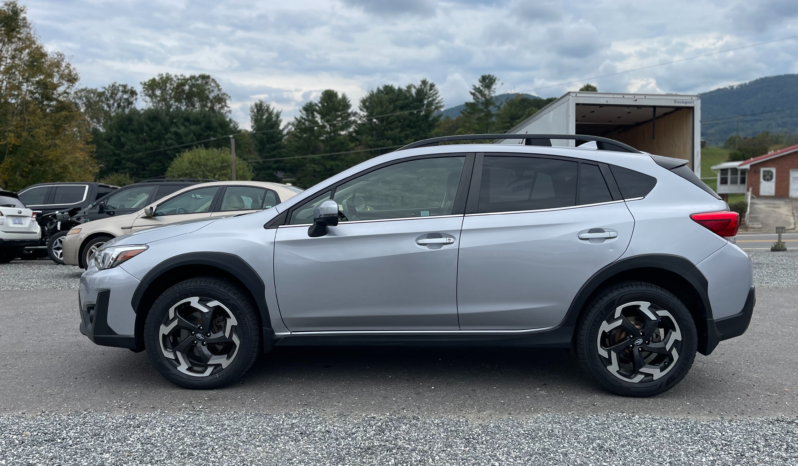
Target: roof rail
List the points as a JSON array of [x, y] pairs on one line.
[[170, 180], [530, 140]]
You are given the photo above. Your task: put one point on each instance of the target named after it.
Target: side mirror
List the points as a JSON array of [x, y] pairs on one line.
[[149, 211], [101, 208], [324, 215]]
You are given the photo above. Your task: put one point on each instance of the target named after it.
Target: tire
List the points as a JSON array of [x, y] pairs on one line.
[[624, 321], [7, 255], [55, 247], [90, 248], [181, 356]]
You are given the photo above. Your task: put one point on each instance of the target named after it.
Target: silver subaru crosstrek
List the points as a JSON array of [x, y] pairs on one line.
[[620, 255]]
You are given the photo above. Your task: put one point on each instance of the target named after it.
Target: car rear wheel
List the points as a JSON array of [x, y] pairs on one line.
[[55, 247], [7, 255], [91, 247], [637, 339], [203, 333]]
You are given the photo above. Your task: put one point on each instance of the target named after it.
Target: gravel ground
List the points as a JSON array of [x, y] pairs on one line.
[[775, 269], [38, 275], [307, 438]]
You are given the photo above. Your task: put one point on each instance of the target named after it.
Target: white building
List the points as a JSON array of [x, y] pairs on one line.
[[732, 179]]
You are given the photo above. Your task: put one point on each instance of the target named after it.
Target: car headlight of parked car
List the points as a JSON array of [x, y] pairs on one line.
[[110, 257]]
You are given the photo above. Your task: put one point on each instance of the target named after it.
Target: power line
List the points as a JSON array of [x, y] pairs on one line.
[[324, 155]]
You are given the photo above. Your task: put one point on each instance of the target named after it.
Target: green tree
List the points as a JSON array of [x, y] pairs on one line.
[[392, 116], [43, 135], [448, 126], [588, 88], [117, 179], [208, 164], [100, 105], [516, 110], [478, 115], [142, 142], [321, 127], [746, 148], [178, 92], [268, 139]]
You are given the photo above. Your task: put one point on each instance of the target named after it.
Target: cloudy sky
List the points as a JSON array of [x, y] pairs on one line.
[[287, 52]]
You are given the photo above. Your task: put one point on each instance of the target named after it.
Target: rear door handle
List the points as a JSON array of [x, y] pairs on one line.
[[598, 234], [426, 241]]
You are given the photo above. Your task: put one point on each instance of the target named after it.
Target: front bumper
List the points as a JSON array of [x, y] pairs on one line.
[[106, 316], [71, 248], [730, 327]]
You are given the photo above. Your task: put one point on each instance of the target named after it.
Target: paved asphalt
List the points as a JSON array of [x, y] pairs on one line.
[[766, 240], [46, 365]]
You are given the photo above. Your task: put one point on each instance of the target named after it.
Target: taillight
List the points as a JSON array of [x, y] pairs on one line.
[[724, 223], [33, 215]]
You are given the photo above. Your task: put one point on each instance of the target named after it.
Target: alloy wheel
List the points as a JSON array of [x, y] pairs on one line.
[[58, 248], [92, 251], [199, 336], [639, 342]]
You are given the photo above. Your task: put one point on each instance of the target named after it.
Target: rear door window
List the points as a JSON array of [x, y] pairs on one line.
[[69, 194], [592, 187], [34, 196], [511, 184]]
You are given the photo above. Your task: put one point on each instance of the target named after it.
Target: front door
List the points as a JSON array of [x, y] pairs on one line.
[[767, 182], [189, 205], [793, 183], [390, 264], [532, 243]]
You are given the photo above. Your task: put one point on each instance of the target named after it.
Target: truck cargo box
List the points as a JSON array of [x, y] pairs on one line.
[[660, 124]]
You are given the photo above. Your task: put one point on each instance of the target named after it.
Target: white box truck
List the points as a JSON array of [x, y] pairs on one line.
[[660, 124]]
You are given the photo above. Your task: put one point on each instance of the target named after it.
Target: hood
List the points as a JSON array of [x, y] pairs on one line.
[[152, 235]]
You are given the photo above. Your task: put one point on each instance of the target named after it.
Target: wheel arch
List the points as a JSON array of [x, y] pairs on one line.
[[673, 273], [85, 241], [200, 264]]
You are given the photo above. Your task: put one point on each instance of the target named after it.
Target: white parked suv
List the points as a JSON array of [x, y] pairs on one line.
[[18, 227], [621, 255]]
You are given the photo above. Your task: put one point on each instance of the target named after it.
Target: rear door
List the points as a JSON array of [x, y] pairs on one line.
[[190, 205], [536, 228], [238, 200]]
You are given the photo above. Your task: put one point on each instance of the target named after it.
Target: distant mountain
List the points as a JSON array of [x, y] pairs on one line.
[[763, 98], [454, 112]]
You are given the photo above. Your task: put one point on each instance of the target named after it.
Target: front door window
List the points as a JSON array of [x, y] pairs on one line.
[[191, 202]]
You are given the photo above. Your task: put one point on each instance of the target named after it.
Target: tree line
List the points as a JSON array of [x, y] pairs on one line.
[[179, 126]]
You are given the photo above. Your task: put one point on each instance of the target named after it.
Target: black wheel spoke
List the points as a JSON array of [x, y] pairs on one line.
[[658, 348], [184, 324], [629, 327], [620, 346], [650, 327], [204, 354], [184, 345], [637, 360], [207, 321]]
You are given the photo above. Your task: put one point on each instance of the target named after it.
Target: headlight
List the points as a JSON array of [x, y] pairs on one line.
[[110, 257], [73, 231]]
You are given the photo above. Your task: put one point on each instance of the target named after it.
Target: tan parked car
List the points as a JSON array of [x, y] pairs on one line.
[[207, 200]]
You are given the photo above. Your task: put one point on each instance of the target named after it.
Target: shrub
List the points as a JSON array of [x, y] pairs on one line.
[[208, 164], [117, 179], [741, 207]]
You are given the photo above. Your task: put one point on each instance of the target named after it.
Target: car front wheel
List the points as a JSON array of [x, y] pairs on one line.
[[91, 248], [203, 333], [637, 339]]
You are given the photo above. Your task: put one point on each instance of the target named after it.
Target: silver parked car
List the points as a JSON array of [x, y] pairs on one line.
[[621, 255]]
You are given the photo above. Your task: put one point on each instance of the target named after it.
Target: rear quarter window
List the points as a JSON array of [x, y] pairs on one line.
[[631, 183]]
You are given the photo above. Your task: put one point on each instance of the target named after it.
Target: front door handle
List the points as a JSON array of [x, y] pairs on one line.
[[598, 233], [427, 241]]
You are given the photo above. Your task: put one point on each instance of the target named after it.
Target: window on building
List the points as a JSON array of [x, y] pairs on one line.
[[724, 176], [733, 176], [742, 176]]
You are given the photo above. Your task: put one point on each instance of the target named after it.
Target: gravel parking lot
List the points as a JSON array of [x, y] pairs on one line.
[[65, 401]]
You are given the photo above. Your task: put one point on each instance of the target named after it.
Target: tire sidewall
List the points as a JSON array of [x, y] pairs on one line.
[[601, 311], [247, 329], [84, 260]]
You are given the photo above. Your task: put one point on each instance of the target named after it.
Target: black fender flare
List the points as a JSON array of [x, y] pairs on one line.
[[708, 336], [229, 263]]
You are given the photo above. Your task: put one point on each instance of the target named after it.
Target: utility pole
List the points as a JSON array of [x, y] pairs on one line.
[[233, 155], [737, 140]]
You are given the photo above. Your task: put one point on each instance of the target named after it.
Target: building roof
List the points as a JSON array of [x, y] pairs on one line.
[[772, 155], [734, 164]]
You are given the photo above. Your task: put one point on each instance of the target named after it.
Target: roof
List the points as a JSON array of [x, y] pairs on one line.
[[733, 164], [772, 155]]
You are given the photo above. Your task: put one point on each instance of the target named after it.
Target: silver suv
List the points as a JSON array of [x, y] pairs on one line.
[[620, 255]]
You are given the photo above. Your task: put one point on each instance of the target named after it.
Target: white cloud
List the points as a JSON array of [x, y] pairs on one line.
[[288, 52]]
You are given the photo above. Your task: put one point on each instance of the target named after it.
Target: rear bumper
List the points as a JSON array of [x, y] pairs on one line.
[[732, 326], [94, 323]]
